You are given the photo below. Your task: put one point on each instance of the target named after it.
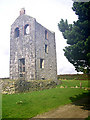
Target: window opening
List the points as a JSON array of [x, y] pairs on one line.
[[46, 49], [26, 29], [46, 34], [22, 67], [16, 32], [41, 63], [43, 78]]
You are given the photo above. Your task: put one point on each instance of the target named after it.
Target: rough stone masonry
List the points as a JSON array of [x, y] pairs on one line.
[[32, 50]]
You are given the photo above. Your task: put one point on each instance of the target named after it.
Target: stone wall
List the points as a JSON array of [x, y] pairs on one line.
[[50, 66], [8, 86], [31, 47], [22, 47], [11, 87]]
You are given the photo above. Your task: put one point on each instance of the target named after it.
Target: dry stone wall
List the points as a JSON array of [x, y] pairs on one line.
[[8, 86], [11, 87]]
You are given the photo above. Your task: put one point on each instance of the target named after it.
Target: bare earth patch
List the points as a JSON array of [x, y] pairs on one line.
[[77, 109]]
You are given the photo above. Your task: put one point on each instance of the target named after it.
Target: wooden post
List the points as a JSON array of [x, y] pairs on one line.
[[80, 85]]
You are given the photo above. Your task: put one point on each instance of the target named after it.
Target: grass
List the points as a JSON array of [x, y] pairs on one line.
[[73, 83], [28, 105], [74, 76]]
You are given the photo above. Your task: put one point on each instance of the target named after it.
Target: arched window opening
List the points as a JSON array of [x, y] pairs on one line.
[[46, 34], [16, 32], [26, 29]]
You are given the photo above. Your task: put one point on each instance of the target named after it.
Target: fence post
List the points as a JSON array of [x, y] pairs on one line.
[[80, 85]]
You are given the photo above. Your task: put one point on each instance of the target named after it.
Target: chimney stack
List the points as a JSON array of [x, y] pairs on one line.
[[22, 11]]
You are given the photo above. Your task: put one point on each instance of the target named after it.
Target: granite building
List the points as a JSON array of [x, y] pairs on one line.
[[32, 50]]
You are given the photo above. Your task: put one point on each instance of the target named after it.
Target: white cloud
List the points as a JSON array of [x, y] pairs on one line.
[[48, 13]]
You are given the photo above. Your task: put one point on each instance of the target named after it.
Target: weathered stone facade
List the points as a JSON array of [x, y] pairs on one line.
[[32, 50]]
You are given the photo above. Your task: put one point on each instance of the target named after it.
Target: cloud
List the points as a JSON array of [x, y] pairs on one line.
[[48, 13], [4, 66]]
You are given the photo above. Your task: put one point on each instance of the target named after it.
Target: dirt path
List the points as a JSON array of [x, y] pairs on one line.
[[76, 110]]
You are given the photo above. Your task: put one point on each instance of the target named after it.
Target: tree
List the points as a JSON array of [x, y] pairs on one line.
[[78, 37]]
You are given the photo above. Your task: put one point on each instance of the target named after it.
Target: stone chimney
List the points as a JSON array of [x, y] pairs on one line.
[[22, 11]]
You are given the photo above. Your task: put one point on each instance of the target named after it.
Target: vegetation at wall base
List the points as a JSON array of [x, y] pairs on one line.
[[28, 105]]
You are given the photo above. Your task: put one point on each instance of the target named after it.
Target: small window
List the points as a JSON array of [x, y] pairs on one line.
[[23, 69], [22, 66], [43, 78], [46, 49], [46, 35], [21, 75], [41, 63], [16, 34], [26, 29]]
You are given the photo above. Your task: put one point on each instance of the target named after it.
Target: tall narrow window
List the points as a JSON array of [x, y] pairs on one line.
[[26, 29], [46, 35], [22, 67], [41, 63], [46, 49], [16, 32]]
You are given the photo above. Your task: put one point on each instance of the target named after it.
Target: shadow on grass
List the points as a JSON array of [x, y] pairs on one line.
[[82, 100]]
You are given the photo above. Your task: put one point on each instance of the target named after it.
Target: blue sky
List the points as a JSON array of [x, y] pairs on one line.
[[48, 13]]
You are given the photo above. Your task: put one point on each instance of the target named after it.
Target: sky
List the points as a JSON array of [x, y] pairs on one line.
[[48, 13]]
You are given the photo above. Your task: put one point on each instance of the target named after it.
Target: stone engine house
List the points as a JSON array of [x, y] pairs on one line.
[[32, 50]]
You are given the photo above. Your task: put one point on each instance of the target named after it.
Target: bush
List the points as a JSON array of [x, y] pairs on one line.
[[74, 76]]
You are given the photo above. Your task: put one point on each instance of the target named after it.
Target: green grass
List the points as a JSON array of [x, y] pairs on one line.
[[74, 76], [38, 102], [88, 118], [73, 83]]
